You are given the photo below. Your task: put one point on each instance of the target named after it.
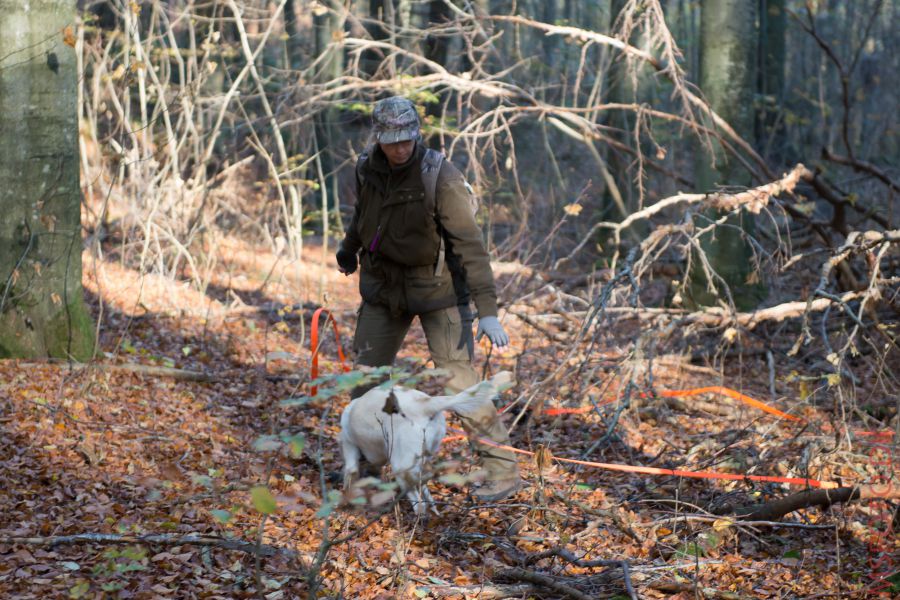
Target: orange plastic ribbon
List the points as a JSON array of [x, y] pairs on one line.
[[798, 481], [718, 389], [314, 346], [715, 389]]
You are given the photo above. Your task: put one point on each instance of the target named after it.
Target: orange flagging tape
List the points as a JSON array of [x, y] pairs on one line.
[[552, 412], [799, 481], [715, 389], [314, 346], [718, 389], [886, 433]]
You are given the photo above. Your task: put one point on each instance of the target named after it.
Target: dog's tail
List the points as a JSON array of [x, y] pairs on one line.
[[470, 398]]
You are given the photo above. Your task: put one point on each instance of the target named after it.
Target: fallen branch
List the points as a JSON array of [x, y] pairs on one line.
[[719, 317], [772, 511], [754, 200], [482, 592], [742, 522], [161, 539], [149, 370], [543, 581], [578, 562], [177, 374], [537, 326], [674, 587]]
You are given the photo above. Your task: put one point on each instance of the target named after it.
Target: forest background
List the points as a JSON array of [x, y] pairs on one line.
[[691, 211]]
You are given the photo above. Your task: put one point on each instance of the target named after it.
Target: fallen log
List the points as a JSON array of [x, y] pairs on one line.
[[823, 498], [154, 540]]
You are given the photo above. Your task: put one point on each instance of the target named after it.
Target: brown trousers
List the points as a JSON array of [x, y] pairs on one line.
[[379, 335]]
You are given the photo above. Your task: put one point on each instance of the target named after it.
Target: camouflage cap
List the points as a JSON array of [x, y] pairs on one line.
[[395, 120]]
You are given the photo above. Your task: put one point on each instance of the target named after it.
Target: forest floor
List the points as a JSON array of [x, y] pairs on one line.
[[118, 451]]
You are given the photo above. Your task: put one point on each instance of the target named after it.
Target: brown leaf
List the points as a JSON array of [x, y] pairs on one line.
[[68, 34]]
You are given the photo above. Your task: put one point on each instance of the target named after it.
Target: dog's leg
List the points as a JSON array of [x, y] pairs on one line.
[[407, 468], [429, 501], [351, 462]]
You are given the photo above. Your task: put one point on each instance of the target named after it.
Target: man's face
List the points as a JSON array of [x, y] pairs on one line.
[[398, 152]]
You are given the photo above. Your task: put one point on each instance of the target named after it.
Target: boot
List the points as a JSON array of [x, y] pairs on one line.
[[499, 464]]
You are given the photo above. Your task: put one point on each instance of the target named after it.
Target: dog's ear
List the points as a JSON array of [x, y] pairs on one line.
[[391, 404], [503, 378]]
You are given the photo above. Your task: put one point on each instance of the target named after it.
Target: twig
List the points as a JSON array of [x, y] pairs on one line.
[[840, 203], [659, 66], [606, 515], [861, 166], [856, 242]]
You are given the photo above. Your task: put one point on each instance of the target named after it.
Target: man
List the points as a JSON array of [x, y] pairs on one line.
[[421, 254]]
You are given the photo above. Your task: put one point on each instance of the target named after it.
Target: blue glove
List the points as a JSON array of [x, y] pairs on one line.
[[491, 327]]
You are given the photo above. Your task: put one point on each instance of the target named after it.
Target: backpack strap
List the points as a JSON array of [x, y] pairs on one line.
[[431, 168], [361, 167]]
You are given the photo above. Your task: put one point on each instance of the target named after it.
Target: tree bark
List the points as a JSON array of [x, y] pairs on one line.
[[42, 310], [293, 43], [328, 26], [727, 78], [773, 26]]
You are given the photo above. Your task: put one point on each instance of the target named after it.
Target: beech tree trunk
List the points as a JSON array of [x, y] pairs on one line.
[[42, 310], [727, 78]]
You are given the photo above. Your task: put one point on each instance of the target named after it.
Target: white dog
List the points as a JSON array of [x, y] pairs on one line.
[[405, 427]]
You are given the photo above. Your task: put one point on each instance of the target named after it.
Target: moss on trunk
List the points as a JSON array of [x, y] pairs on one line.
[[42, 310]]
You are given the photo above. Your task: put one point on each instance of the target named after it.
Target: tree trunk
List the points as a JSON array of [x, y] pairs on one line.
[[551, 43], [378, 13], [294, 37], [328, 26], [436, 47], [42, 310], [621, 91], [727, 79], [413, 17], [773, 26]]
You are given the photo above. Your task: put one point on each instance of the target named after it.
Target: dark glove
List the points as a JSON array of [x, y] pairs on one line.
[[347, 261]]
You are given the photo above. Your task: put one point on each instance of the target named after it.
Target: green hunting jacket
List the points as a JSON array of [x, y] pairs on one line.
[[398, 240]]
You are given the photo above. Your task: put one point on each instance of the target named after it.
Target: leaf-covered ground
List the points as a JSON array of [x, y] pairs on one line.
[[113, 450]]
